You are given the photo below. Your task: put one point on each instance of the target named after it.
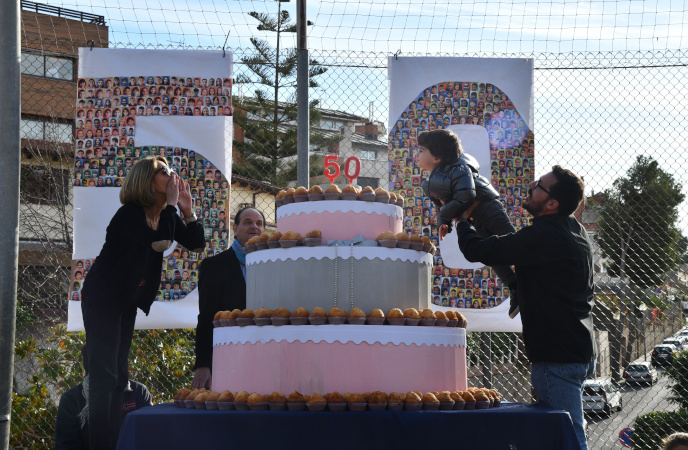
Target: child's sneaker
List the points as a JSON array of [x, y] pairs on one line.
[[514, 309]]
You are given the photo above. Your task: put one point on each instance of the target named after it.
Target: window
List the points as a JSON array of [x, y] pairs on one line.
[[46, 129], [368, 181], [47, 66], [44, 185], [331, 124], [369, 155]]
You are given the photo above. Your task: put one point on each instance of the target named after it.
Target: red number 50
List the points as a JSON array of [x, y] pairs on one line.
[[333, 173]]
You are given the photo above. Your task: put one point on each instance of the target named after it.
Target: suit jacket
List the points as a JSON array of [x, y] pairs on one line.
[[221, 287], [68, 432]]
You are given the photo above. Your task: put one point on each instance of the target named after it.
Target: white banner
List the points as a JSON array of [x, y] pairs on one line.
[[136, 103], [488, 103]]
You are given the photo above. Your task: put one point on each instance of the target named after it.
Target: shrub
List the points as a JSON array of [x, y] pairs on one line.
[[678, 375], [650, 429], [160, 359]]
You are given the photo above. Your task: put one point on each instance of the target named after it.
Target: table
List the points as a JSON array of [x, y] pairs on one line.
[[512, 426]]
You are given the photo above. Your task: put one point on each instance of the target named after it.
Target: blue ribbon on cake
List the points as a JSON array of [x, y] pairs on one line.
[[359, 241]]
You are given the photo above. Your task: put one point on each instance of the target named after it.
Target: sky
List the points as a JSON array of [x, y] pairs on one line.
[[610, 76]]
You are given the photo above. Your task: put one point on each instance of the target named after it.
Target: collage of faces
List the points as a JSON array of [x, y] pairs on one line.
[[106, 110], [511, 170], [101, 159]]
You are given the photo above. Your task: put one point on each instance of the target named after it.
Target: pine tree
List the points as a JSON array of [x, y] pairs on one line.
[[268, 151]]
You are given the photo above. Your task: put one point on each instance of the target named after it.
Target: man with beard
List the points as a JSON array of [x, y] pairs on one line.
[[221, 287], [553, 259]]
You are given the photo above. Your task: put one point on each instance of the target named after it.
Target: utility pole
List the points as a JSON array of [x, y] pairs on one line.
[[10, 111]]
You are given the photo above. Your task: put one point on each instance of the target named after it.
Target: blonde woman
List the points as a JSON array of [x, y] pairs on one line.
[[124, 277]]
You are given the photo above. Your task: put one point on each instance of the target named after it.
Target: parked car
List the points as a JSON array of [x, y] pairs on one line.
[[663, 355], [675, 342], [641, 372], [601, 396]]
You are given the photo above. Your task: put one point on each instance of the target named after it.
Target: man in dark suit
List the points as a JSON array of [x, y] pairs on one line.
[[221, 287]]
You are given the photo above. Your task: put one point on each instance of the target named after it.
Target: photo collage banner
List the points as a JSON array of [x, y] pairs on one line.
[[130, 113], [460, 95]]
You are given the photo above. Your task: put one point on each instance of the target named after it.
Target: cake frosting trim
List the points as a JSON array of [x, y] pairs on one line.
[[343, 206], [383, 334], [342, 252]]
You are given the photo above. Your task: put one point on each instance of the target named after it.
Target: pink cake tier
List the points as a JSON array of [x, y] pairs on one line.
[[343, 358], [340, 219]]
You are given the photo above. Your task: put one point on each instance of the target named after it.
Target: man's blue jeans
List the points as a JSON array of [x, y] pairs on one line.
[[560, 386]]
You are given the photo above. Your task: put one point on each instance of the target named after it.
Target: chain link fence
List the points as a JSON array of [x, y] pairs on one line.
[[617, 118]]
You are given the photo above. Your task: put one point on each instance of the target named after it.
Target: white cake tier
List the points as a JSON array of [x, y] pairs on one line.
[[342, 276]]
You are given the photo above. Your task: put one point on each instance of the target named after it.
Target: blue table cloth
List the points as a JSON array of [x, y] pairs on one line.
[[511, 426]]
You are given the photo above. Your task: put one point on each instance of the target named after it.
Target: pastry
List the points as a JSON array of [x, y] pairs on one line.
[[427, 314], [315, 190], [281, 312], [396, 397], [318, 311], [386, 235], [241, 397], [247, 314], [277, 397], [314, 234], [226, 396], [378, 397], [296, 397], [181, 393], [289, 236], [377, 313], [316, 398], [301, 191], [337, 312], [212, 396], [411, 313], [413, 397], [333, 189], [300, 312], [254, 398], [395, 313], [357, 312]]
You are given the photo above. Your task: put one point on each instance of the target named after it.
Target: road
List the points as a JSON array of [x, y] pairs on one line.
[[603, 432]]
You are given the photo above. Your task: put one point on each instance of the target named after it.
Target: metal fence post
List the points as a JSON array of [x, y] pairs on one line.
[[302, 80], [10, 111]]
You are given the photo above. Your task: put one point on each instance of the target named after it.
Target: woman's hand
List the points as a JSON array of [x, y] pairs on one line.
[[173, 190], [185, 201]]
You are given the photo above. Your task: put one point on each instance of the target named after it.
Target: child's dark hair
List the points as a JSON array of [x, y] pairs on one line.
[[442, 144]]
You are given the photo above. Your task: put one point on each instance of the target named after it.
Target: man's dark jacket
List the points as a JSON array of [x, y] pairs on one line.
[[68, 432], [221, 287], [554, 269]]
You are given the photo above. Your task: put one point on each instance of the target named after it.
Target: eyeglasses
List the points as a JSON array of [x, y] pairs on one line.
[[537, 185], [168, 171]]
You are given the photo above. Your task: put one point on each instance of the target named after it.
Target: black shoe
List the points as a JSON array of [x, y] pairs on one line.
[[514, 309]]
